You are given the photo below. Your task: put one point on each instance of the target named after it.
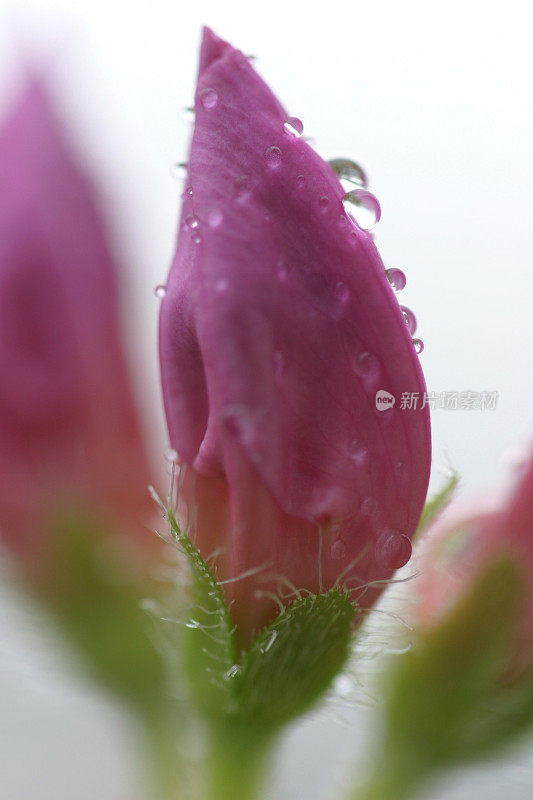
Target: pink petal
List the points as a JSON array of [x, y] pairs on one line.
[[277, 329], [68, 426]]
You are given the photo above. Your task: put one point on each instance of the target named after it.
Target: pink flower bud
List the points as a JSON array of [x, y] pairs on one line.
[[68, 427], [452, 557], [277, 330]]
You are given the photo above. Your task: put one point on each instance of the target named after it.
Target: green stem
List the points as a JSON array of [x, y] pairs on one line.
[[236, 762], [383, 789], [391, 784], [165, 768]]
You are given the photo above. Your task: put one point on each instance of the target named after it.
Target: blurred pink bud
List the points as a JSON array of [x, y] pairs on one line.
[[277, 329], [452, 557], [68, 427]]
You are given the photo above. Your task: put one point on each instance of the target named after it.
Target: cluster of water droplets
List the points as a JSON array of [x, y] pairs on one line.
[[363, 208], [360, 205]]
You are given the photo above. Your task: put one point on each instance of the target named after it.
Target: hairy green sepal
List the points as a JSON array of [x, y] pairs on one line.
[[284, 672]]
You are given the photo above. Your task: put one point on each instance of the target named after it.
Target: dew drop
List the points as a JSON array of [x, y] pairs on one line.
[[214, 218], [410, 319], [366, 365], [342, 292], [196, 238], [171, 455], [273, 156], [282, 271], [160, 290], [222, 285], [396, 278], [323, 204], [179, 170], [208, 98], [419, 345], [368, 506], [348, 171], [294, 126], [393, 549], [191, 222], [363, 208], [358, 453], [188, 191], [337, 550], [300, 181], [238, 422], [243, 190]]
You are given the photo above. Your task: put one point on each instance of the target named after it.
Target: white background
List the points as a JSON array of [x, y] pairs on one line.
[[434, 100]]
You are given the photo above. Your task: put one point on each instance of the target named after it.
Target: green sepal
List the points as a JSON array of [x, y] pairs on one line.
[[208, 644], [293, 661], [286, 669], [437, 503]]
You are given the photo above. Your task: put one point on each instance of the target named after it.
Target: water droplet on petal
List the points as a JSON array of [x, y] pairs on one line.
[[419, 345], [238, 422], [366, 365], [337, 550], [294, 126], [358, 453], [368, 506], [222, 285], [282, 271], [349, 171], [179, 170], [243, 189], [208, 98], [393, 549], [410, 319], [342, 296], [188, 191], [363, 208], [396, 278], [323, 204], [188, 115], [191, 222], [273, 156], [214, 218], [300, 181], [171, 455], [160, 290]]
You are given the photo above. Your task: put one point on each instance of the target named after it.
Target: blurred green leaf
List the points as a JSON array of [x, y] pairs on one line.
[[437, 503], [95, 599], [448, 701]]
